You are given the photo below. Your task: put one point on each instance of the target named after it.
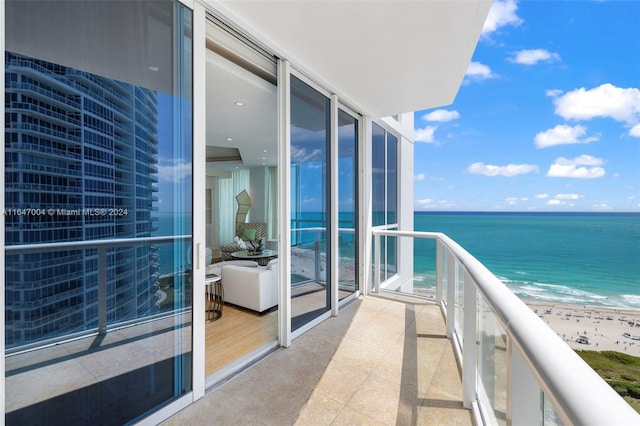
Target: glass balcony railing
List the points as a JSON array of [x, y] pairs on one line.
[[112, 329], [515, 369]]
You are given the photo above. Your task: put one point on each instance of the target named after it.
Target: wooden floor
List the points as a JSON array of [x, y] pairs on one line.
[[238, 332]]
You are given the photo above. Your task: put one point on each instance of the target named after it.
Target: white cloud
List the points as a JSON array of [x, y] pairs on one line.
[[564, 200], [509, 170], [602, 206], [635, 131], [428, 203], [425, 134], [534, 56], [502, 13], [478, 72], [582, 167], [511, 201], [419, 176], [553, 92], [424, 202], [174, 171], [563, 135], [606, 100], [441, 115], [568, 196], [542, 196]]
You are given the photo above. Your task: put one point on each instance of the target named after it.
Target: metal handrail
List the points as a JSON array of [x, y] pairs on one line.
[[579, 395]]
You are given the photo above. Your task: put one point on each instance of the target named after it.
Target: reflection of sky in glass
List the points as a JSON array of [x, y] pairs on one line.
[[174, 165]]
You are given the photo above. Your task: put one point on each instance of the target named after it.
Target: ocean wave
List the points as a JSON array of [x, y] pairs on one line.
[[563, 294], [632, 299]]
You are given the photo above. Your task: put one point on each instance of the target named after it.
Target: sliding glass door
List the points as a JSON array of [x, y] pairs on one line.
[[347, 204], [310, 203], [98, 148]]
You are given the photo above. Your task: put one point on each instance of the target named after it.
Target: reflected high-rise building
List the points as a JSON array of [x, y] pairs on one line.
[[81, 164]]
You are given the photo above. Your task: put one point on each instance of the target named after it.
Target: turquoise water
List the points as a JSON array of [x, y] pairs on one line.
[[573, 258]]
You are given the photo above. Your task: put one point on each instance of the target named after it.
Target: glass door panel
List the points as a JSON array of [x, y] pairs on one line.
[[98, 142], [310, 141], [347, 204]]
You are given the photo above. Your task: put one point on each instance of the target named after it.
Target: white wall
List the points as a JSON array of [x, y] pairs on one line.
[[258, 193]]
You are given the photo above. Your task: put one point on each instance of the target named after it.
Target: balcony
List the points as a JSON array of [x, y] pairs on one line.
[[384, 360], [471, 354]]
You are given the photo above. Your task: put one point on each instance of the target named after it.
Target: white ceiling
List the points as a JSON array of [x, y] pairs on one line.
[[252, 127], [387, 57]]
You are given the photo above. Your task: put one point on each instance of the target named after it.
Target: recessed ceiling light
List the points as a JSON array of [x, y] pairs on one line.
[[264, 150], [229, 139], [238, 103], [153, 68], [264, 158]]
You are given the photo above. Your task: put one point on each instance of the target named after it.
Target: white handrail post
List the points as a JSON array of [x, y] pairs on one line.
[[469, 360], [451, 293], [439, 277], [102, 290], [376, 266]]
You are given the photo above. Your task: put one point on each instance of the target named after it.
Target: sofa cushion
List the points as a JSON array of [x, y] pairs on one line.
[[249, 234], [216, 268]]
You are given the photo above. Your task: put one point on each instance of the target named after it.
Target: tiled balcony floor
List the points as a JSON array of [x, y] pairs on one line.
[[383, 361]]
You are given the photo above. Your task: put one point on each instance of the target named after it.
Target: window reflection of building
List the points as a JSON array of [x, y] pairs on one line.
[[77, 144]]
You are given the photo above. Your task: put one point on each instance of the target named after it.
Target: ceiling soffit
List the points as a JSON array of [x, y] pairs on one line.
[[387, 57]]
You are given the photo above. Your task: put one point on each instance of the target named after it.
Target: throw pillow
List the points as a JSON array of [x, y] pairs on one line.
[[249, 234]]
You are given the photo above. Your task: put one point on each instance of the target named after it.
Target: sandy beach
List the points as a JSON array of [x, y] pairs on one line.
[[604, 328]]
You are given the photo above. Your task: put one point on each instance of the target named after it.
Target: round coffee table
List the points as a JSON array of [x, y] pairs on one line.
[[262, 257]]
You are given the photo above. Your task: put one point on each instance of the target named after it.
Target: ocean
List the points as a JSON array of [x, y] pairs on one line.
[[570, 258]]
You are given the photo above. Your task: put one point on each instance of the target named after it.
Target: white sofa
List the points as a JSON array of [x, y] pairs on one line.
[[254, 288]]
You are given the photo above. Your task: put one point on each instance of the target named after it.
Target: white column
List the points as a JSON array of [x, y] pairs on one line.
[[364, 198], [199, 198], [335, 200], [284, 201]]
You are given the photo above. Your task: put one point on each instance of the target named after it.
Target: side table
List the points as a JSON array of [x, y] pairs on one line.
[[214, 296]]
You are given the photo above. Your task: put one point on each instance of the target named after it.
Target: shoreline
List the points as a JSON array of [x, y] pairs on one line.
[[605, 328]]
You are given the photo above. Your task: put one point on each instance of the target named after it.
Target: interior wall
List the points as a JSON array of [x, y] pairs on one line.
[[258, 191]]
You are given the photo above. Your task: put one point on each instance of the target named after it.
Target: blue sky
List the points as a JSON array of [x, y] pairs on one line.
[[547, 118]]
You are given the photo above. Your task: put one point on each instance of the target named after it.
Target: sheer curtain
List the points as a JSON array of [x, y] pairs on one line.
[[227, 191]]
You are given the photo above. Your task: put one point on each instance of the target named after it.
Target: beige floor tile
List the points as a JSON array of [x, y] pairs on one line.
[[351, 417], [378, 398], [340, 381], [319, 410]]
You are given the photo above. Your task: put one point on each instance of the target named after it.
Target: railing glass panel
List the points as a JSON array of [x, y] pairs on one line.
[[509, 337], [493, 365], [459, 305], [549, 415]]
